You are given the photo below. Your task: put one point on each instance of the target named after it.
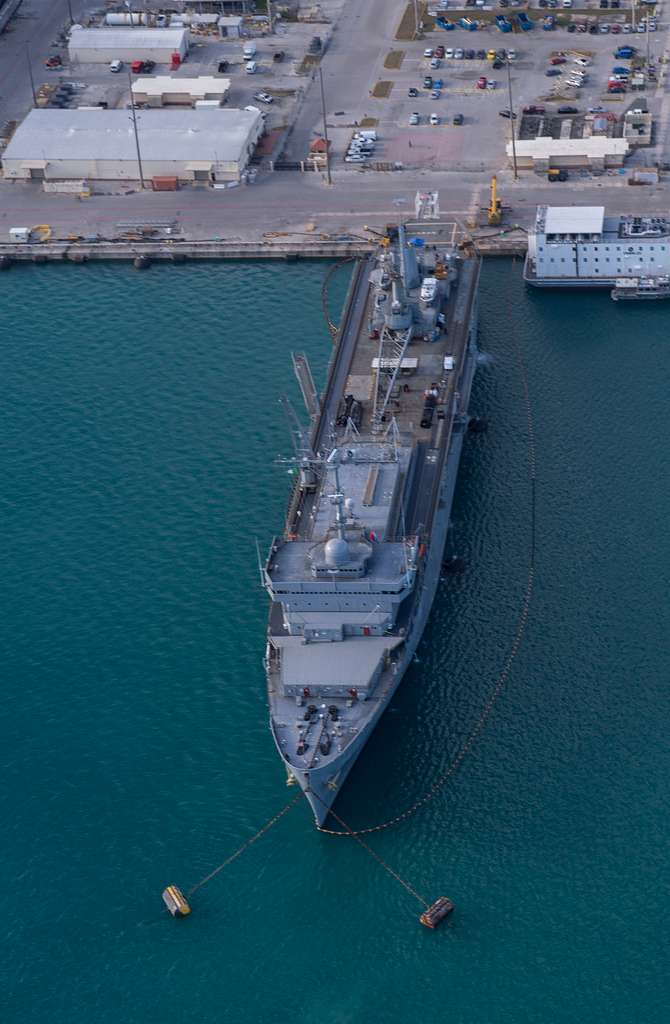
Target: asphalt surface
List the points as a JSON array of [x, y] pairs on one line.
[[302, 203]]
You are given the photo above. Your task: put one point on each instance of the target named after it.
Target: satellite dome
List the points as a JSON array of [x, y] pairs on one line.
[[336, 551]]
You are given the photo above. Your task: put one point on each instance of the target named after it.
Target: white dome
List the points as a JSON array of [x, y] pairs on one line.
[[336, 551]]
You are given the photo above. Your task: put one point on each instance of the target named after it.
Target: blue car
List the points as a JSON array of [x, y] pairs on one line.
[[625, 51], [437, 83], [621, 71]]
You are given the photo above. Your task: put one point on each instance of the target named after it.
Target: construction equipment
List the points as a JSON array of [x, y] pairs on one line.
[[40, 233], [494, 211]]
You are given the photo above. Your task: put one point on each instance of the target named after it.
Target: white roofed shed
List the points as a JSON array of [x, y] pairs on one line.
[[103, 45], [213, 144]]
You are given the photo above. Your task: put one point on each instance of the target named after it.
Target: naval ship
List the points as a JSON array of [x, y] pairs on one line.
[[352, 578]]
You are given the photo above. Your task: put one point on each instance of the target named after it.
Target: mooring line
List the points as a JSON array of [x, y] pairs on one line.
[[519, 633], [387, 867], [245, 846]]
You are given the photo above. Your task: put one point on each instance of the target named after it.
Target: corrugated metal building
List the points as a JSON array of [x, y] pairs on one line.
[[165, 90], [596, 152], [192, 145], [103, 45]]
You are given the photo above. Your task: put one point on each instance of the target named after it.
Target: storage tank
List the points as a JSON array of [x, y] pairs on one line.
[[134, 18]]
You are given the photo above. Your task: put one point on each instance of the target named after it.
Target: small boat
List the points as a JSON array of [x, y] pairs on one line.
[[642, 288]]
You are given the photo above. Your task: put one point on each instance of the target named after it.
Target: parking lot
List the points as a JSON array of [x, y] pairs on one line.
[[480, 141]]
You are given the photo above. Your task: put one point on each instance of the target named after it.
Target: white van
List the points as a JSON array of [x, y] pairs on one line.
[[249, 51], [116, 66], [251, 67], [368, 134]]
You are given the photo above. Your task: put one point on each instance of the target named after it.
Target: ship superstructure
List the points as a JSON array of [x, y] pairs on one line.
[[352, 579]]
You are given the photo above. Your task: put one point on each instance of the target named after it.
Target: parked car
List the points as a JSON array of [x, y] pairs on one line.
[[434, 119], [568, 110], [415, 118], [278, 56], [355, 158], [116, 66], [497, 65], [428, 82], [449, 53], [458, 54], [53, 62], [625, 52], [615, 30], [620, 70], [511, 55], [481, 54], [470, 54], [481, 82], [412, 92], [428, 53], [508, 114], [552, 72], [437, 83], [458, 119], [558, 60], [439, 51], [222, 66], [263, 97], [435, 62], [533, 110], [435, 94]]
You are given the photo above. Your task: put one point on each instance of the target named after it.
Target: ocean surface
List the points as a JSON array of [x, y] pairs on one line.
[[139, 427]]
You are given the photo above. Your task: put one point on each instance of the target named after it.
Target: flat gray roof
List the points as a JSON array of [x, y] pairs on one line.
[[574, 220], [142, 38], [189, 135]]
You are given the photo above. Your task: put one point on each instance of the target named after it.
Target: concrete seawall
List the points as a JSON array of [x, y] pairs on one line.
[[180, 251]]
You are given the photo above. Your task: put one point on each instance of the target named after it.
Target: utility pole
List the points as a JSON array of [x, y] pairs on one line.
[[416, 19], [30, 76], [648, 43], [69, 11], [511, 118], [325, 127], [270, 16], [632, 7], [137, 138]]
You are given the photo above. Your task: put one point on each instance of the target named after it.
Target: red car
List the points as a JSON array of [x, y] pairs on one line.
[[53, 62], [533, 110], [439, 52], [481, 82], [558, 60]]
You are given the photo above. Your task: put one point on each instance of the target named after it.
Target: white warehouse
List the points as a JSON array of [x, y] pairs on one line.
[[205, 145], [103, 45], [166, 91]]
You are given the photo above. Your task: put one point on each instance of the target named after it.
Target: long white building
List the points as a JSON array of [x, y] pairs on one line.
[[207, 145], [577, 246], [103, 45]]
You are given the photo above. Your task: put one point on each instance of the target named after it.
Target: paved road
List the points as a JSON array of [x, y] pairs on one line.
[[290, 202], [28, 38]]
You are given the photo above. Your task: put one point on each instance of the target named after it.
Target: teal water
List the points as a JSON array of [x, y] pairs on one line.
[[139, 423]]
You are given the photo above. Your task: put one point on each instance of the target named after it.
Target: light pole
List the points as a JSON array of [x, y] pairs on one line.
[[137, 138], [416, 19], [325, 127], [69, 11], [511, 118], [269, 2], [30, 76]]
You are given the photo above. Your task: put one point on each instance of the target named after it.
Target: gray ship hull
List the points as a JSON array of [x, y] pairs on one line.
[[349, 644]]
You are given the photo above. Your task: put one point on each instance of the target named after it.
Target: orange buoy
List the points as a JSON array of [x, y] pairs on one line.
[[175, 901], [436, 913]]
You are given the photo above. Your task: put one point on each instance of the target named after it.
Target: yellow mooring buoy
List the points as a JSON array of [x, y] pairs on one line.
[[175, 901]]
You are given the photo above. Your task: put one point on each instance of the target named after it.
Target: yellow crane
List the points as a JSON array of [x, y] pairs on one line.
[[494, 211]]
